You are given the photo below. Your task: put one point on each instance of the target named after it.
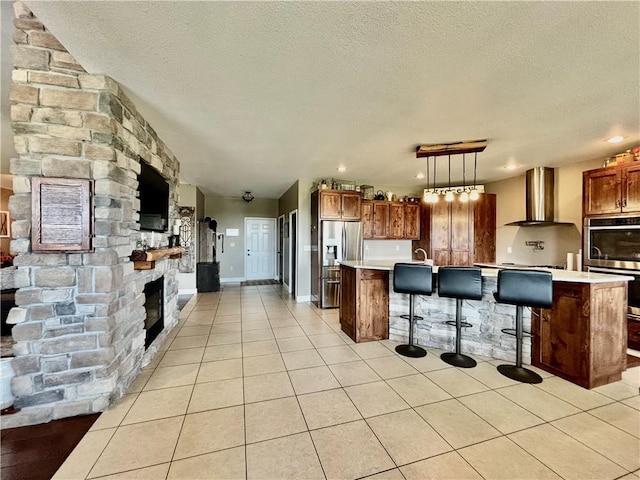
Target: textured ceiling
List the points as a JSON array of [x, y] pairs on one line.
[[254, 95]]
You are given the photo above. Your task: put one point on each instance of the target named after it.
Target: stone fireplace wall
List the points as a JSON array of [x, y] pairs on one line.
[[80, 338]]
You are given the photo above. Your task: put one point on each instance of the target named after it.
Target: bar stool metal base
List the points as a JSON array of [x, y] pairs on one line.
[[408, 317], [519, 374], [458, 360], [411, 351]]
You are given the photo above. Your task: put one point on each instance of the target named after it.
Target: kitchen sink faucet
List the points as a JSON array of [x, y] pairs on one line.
[[423, 252]]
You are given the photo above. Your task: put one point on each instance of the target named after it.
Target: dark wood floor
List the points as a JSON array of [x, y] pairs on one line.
[[632, 361], [36, 452]]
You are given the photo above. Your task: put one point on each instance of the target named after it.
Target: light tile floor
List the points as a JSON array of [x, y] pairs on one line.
[[251, 385]]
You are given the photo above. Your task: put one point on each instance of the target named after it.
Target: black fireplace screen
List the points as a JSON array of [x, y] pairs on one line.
[[154, 307]]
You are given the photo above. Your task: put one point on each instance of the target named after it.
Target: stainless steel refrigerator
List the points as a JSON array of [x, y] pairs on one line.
[[336, 242]]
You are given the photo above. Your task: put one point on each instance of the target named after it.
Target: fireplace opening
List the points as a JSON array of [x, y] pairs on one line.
[[154, 307]]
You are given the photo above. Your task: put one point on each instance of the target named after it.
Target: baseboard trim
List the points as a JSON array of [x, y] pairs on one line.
[[232, 280], [186, 291]]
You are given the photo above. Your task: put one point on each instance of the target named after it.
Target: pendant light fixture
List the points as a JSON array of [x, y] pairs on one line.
[[427, 193], [432, 194], [449, 195], [464, 196], [474, 195]]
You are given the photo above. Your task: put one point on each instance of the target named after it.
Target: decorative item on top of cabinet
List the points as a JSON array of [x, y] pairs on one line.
[[459, 234], [611, 190], [339, 205]]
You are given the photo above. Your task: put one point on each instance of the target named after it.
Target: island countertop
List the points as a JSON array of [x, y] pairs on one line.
[[557, 275]]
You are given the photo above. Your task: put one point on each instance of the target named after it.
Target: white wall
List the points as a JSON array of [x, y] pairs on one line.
[[230, 212], [304, 240], [559, 240]]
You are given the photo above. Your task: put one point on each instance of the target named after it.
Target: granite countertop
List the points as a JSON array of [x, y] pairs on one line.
[[558, 275]]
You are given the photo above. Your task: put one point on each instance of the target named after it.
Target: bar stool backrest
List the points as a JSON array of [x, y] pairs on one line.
[[413, 278], [460, 282], [530, 288]]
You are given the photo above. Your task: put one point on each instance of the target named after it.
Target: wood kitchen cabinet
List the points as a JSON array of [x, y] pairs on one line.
[[456, 233], [611, 190], [412, 221], [364, 303], [339, 204], [366, 217], [380, 230], [382, 220], [583, 336], [396, 220]]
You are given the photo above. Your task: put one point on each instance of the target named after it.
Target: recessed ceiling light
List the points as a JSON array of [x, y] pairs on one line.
[[511, 166], [342, 168], [420, 175], [615, 139]]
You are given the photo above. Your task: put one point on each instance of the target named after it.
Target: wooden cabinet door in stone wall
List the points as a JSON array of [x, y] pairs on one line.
[[62, 214]]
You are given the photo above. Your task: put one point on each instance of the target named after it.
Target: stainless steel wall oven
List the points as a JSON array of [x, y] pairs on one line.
[[612, 245], [612, 242]]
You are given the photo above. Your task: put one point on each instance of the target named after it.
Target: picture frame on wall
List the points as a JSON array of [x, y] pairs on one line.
[[5, 225]]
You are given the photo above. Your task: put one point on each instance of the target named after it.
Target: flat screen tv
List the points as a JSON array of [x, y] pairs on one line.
[[154, 199]]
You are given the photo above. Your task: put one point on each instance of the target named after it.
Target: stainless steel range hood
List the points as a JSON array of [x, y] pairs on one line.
[[539, 199]]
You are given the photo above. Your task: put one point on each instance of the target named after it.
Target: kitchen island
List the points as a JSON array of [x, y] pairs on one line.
[[581, 338]]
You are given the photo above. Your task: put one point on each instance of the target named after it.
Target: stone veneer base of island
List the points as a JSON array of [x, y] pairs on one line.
[[596, 312]]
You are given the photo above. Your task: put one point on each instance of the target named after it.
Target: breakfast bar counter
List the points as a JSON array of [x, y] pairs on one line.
[[581, 338]]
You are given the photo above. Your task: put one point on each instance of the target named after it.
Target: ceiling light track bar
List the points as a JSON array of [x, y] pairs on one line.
[[455, 148]]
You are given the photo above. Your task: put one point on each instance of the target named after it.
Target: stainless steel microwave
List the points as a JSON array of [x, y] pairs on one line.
[[612, 242]]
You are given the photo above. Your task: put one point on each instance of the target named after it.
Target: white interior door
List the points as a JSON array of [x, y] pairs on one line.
[[259, 234], [279, 252], [286, 254], [293, 256]]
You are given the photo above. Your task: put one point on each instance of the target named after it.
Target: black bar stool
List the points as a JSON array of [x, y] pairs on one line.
[[414, 279], [459, 283], [523, 288]]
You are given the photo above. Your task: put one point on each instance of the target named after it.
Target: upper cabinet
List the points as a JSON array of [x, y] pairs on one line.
[[339, 205], [380, 229], [611, 190], [382, 220], [412, 221], [455, 233]]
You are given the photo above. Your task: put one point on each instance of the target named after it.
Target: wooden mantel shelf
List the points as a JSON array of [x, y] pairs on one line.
[[147, 260]]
